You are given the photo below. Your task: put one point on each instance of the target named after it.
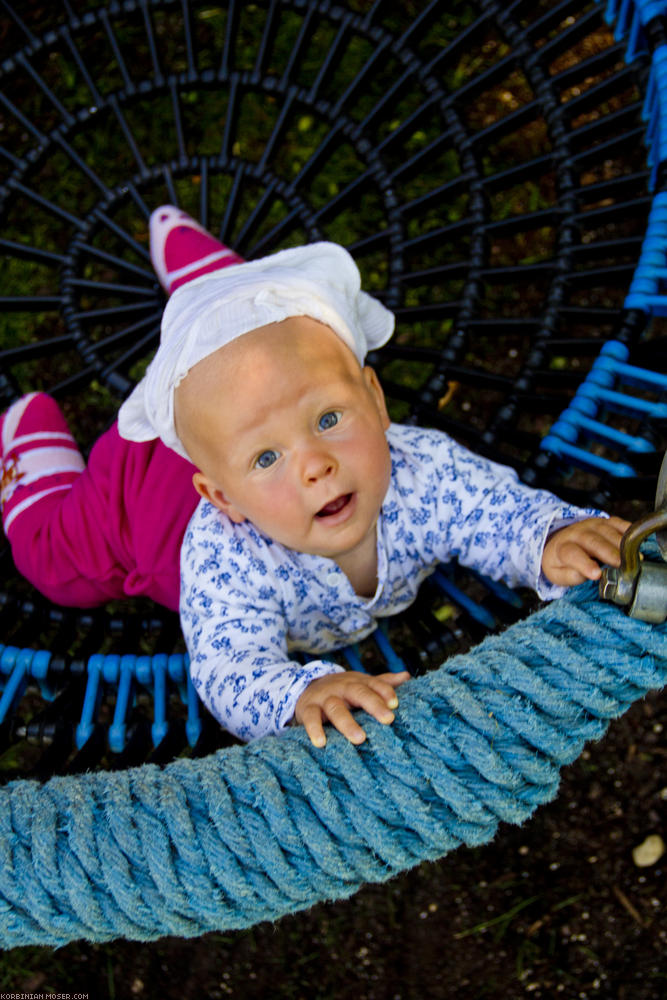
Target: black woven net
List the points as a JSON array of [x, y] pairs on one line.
[[484, 162]]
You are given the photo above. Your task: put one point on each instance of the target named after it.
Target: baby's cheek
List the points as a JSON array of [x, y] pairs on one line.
[[280, 502]]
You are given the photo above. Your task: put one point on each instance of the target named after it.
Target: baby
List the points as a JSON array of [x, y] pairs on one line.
[[317, 515]]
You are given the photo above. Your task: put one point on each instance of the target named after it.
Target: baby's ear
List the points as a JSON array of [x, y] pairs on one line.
[[207, 489], [376, 390]]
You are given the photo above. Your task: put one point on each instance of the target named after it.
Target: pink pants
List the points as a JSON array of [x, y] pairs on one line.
[[114, 529], [116, 533]]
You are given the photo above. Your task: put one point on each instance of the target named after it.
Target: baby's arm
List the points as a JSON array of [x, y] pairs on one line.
[[242, 672], [330, 698], [240, 667], [570, 554], [234, 623], [501, 527]]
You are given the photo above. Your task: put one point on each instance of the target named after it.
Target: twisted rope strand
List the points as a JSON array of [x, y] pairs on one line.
[[256, 832]]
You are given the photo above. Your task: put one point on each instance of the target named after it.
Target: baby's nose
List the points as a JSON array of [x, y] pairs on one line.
[[317, 465]]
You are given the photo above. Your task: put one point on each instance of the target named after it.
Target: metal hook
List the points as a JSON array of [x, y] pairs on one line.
[[639, 585]]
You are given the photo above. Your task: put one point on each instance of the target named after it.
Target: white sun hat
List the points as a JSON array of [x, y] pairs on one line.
[[320, 280]]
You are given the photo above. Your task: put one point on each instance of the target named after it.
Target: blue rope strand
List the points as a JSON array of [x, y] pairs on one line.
[[253, 833]]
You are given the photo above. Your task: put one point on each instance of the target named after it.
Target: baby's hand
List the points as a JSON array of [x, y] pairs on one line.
[[329, 699], [569, 555]]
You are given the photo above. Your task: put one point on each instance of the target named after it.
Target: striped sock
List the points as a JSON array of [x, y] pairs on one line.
[[39, 455], [181, 249]]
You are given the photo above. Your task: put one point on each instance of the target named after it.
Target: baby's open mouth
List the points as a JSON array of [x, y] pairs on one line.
[[334, 506]]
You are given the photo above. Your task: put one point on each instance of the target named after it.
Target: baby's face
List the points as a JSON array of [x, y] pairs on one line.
[[289, 432]]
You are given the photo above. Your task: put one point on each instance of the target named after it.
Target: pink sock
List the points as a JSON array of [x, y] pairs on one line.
[[181, 249], [39, 454]]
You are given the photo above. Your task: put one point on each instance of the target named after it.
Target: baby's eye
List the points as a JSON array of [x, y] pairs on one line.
[[328, 420], [266, 459]]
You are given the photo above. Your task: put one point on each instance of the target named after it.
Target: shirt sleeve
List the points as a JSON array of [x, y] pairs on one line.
[[494, 523], [235, 633]]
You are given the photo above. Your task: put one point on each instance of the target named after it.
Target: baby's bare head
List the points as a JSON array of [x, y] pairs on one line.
[[239, 383]]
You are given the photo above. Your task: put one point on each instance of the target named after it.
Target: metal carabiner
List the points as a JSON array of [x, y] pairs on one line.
[[637, 584]]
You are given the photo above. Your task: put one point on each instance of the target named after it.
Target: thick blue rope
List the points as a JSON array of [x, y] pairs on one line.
[[255, 832]]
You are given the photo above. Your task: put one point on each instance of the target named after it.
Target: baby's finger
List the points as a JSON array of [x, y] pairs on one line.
[[619, 523], [394, 679], [375, 704], [311, 721], [340, 717], [384, 685], [570, 577], [613, 528], [577, 564], [603, 543]]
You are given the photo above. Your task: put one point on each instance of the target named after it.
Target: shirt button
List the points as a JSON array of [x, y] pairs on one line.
[[332, 578]]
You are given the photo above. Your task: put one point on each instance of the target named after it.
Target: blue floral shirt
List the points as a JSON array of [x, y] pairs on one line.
[[247, 601]]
